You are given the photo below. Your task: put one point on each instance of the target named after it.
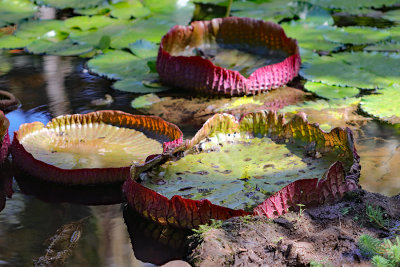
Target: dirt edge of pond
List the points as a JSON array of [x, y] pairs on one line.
[[325, 235]]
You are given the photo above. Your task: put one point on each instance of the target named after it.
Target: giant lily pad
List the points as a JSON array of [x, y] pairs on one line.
[[92, 148], [4, 137], [195, 111], [189, 56], [384, 105], [359, 69], [12, 11], [235, 165]]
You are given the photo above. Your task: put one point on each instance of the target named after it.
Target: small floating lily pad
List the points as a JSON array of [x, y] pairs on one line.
[[384, 47], [70, 3], [86, 23], [128, 10], [357, 35], [144, 49], [358, 69], [62, 48], [384, 105], [13, 42], [12, 11], [328, 114], [151, 29], [330, 91], [47, 29], [93, 148], [145, 101], [133, 85], [310, 36], [234, 165], [118, 65]]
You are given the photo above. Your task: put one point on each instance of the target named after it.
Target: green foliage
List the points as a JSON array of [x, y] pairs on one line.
[[13, 11], [358, 69], [330, 91], [376, 216], [383, 253], [144, 49], [118, 65], [85, 23], [356, 35], [63, 48], [70, 3], [133, 85], [204, 228], [385, 104], [145, 101]]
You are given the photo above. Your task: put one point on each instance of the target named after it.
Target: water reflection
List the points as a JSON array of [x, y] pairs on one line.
[[378, 145], [56, 193], [155, 243]]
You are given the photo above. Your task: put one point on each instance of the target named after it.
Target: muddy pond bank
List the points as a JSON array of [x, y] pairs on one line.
[[320, 236]]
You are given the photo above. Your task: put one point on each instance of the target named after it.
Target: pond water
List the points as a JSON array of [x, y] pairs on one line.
[[49, 86], [110, 233]]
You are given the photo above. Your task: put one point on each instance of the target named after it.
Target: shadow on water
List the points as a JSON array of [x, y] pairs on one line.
[[154, 243]]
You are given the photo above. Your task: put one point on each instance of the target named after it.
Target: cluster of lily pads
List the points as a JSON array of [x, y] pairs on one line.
[[259, 164]]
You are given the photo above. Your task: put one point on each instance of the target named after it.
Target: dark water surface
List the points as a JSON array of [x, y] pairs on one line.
[[49, 86]]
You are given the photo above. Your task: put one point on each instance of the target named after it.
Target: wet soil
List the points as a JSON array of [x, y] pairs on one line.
[[326, 235]]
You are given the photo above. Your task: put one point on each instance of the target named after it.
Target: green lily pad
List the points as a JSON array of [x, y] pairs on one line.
[[310, 36], [356, 35], [385, 105], [330, 91], [70, 3], [99, 10], [384, 47], [46, 29], [328, 114], [273, 10], [118, 65], [134, 85], [144, 49], [151, 29], [237, 166], [196, 110], [393, 15], [62, 48], [127, 10], [361, 70], [351, 5], [86, 23], [94, 35], [179, 12], [12, 11], [12, 42], [145, 101]]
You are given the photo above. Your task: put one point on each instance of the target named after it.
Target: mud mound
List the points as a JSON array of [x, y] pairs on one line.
[[324, 235]]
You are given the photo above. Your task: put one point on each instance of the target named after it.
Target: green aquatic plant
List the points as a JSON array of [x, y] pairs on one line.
[[384, 105], [357, 35], [223, 172], [358, 69], [331, 91], [13, 11], [382, 253]]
